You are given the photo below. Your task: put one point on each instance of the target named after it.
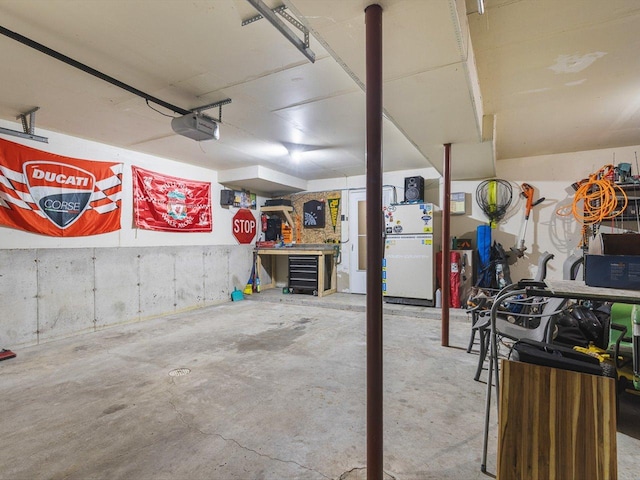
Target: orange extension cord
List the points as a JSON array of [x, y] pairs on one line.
[[597, 199]]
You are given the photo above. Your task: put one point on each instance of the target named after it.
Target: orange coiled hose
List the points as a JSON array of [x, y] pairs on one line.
[[597, 199]]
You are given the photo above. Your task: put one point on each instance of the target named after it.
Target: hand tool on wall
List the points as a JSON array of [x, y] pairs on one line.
[[528, 193]]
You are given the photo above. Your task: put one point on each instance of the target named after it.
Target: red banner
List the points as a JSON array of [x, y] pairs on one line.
[[170, 204], [58, 196]]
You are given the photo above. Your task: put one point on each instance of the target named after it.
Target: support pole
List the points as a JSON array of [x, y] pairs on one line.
[[446, 245], [373, 21]]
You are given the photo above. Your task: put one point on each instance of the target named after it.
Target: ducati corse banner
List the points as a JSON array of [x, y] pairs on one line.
[[170, 204], [59, 196]]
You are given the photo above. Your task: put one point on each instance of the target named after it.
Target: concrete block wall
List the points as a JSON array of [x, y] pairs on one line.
[[49, 294]]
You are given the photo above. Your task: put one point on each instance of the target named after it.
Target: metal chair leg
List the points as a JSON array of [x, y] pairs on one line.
[[472, 339], [484, 347]]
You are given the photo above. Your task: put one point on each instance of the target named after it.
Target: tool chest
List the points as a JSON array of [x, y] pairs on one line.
[[303, 274]]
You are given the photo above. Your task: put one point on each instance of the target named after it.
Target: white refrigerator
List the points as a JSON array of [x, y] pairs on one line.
[[411, 242]]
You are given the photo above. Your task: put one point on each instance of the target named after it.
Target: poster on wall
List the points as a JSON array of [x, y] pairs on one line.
[[170, 204], [58, 196], [243, 199], [313, 214]]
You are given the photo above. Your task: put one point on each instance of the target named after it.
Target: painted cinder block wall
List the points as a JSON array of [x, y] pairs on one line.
[[53, 287]]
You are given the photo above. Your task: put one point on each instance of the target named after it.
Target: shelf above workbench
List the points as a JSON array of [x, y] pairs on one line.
[[283, 209]]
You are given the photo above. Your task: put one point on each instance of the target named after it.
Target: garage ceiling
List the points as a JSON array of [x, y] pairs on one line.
[[560, 76], [556, 76]]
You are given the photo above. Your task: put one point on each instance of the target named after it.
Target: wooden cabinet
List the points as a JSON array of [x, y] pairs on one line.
[[555, 424]]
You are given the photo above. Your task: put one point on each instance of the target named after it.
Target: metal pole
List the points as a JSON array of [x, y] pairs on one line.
[[446, 247], [373, 21]]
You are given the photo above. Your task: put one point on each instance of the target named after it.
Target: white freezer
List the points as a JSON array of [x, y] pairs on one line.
[[408, 267], [408, 219]]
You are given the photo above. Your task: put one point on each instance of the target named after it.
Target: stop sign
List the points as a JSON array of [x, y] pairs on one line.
[[244, 226]]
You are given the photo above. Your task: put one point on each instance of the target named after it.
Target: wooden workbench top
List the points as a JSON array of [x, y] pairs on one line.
[[298, 250]]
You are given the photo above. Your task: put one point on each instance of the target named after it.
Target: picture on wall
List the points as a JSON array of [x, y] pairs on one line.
[[244, 199]]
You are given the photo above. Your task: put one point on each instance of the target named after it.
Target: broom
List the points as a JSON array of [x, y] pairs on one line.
[[248, 289]]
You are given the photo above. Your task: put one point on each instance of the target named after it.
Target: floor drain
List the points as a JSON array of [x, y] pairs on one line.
[[179, 372]]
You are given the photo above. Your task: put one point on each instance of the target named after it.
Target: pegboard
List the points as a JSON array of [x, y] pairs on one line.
[[325, 234]]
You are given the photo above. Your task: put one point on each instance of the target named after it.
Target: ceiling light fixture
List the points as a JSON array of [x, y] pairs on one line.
[[295, 155], [481, 7], [296, 150]]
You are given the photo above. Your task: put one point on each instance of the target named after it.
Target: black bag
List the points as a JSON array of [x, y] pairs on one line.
[[555, 356], [570, 336]]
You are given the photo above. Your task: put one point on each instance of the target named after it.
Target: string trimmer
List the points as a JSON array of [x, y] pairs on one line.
[[527, 192]]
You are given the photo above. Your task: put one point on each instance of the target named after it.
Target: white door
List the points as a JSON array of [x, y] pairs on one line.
[[358, 236], [358, 240]]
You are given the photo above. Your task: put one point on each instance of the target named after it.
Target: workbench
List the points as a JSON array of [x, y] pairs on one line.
[[326, 264]]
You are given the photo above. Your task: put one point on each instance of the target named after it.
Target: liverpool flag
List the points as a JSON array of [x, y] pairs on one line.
[[170, 204]]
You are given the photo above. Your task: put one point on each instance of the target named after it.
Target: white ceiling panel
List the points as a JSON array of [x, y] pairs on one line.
[[434, 111], [557, 76]]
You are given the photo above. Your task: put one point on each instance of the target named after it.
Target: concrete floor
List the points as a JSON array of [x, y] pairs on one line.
[[276, 390]]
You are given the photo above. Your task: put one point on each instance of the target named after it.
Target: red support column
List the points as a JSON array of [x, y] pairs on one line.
[[446, 246], [375, 245]]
